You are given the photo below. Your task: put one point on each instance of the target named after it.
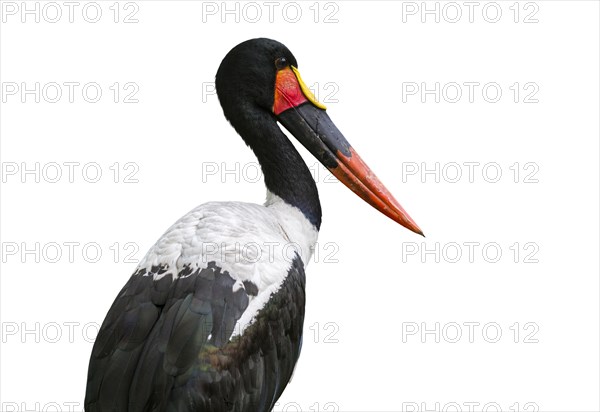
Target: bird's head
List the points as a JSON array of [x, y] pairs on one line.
[[260, 77], [247, 74]]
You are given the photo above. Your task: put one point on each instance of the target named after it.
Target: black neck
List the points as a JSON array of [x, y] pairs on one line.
[[285, 173]]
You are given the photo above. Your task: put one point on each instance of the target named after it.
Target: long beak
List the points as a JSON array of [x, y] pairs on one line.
[[308, 121]]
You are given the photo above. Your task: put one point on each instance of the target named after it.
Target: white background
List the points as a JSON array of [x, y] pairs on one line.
[[370, 285]]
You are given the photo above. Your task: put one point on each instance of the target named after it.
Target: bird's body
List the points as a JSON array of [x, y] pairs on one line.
[[205, 323], [211, 320]]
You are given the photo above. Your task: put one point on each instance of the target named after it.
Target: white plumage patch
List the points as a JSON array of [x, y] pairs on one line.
[[255, 243]]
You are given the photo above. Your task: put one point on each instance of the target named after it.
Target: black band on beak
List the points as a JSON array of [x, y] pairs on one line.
[[315, 130]]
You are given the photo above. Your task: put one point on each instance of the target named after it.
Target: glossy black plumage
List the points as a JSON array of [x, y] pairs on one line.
[[170, 341], [245, 86]]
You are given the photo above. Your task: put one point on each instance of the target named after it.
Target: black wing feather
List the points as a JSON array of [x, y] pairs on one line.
[[165, 345]]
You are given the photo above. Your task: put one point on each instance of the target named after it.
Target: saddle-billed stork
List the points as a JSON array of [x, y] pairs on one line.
[[200, 326]]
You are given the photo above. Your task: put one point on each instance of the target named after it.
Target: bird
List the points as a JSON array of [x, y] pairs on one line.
[[200, 325]]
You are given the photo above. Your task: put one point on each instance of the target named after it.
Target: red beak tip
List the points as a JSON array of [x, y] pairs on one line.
[[417, 230], [413, 228]]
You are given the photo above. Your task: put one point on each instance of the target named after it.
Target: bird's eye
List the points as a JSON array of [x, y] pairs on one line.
[[281, 63]]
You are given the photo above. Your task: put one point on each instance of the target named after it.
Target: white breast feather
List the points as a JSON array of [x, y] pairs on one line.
[[252, 242]]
